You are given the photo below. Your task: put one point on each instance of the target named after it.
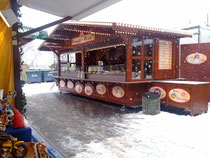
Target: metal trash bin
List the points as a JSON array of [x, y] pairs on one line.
[[48, 75], [34, 76], [151, 103]]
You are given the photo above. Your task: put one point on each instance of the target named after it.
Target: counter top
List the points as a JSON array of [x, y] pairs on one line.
[[182, 82], [174, 81], [133, 82]]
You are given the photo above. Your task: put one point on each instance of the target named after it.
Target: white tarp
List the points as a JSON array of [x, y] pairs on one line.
[[77, 9]]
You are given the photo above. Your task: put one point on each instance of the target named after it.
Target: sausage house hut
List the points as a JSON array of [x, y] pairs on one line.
[[118, 62]]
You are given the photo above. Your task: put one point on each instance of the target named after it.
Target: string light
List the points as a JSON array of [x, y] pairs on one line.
[[127, 26], [120, 26], [73, 52], [110, 46], [64, 39], [54, 46], [97, 33], [154, 29]]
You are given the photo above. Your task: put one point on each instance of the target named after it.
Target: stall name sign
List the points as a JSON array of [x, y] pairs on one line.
[[83, 38], [179, 95], [165, 55], [196, 58]]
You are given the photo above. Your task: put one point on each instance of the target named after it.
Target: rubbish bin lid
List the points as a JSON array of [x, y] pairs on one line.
[[151, 95]]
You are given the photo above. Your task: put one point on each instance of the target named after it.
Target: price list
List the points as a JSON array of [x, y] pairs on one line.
[[165, 55]]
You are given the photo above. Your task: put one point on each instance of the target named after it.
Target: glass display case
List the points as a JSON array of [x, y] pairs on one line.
[[117, 69], [70, 68]]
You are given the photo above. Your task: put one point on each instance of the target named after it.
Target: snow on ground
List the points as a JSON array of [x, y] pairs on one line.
[[165, 135], [37, 88], [161, 136]]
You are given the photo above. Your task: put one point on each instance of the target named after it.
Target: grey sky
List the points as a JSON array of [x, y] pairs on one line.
[[156, 13]]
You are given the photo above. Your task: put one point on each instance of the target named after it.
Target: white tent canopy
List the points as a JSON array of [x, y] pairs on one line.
[[77, 9]]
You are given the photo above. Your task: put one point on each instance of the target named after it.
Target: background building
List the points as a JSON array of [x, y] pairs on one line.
[[201, 34]]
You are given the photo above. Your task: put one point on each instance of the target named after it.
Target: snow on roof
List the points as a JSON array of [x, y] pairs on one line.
[[106, 29], [131, 26]]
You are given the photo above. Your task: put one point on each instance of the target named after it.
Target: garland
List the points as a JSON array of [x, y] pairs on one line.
[[22, 95]]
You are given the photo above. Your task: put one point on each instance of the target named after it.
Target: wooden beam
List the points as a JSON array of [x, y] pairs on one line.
[[83, 58], [88, 29], [42, 27], [17, 61], [59, 65], [129, 60]]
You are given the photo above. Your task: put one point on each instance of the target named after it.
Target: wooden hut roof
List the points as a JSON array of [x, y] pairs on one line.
[[59, 39]]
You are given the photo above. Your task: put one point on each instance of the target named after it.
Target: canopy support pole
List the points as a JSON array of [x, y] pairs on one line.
[[42, 27], [16, 60]]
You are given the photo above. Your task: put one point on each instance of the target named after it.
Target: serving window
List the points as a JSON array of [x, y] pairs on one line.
[[64, 58], [142, 58], [70, 63], [108, 61]]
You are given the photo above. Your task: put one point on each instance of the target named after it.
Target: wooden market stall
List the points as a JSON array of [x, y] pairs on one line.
[[114, 62]]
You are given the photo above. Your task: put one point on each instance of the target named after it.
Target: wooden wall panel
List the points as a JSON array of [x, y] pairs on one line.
[[195, 72], [132, 97], [198, 102]]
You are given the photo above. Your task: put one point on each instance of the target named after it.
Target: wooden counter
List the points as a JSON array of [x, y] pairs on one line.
[[124, 93], [189, 95], [113, 81]]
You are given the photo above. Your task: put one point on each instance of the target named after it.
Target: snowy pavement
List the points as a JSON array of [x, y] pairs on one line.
[[84, 128]]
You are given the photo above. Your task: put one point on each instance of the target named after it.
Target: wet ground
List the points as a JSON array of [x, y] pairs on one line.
[[70, 121], [83, 128]]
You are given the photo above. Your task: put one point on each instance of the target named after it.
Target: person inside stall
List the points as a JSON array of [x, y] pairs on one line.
[[121, 60], [104, 60]]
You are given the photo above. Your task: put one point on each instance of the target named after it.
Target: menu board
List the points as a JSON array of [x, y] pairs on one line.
[[165, 55]]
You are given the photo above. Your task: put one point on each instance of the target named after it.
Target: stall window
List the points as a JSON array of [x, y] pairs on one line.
[[148, 47], [142, 58], [64, 58], [108, 61], [72, 57], [136, 45], [147, 69], [136, 69], [69, 63], [64, 68]]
